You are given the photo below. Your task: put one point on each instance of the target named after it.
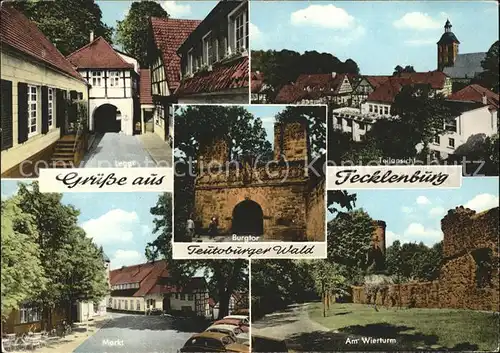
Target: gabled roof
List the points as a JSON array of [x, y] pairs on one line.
[[222, 77], [98, 54], [386, 92], [168, 35], [153, 277], [145, 96], [466, 66], [376, 81], [475, 93], [18, 32], [436, 79], [290, 93], [256, 81]]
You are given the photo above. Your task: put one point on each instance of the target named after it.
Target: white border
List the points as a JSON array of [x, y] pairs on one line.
[[270, 249]]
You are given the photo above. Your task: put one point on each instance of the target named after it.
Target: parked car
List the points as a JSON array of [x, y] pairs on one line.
[[234, 331], [245, 312], [234, 322], [213, 342], [266, 344], [243, 318]]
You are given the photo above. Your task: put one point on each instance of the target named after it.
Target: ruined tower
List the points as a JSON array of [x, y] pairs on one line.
[[291, 140], [378, 236], [215, 152], [447, 48]]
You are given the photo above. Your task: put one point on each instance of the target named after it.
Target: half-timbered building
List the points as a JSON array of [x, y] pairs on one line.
[[148, 286], [113, 78], [166, 35]]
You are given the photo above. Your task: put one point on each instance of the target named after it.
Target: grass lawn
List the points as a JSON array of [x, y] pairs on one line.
[[416, 328]]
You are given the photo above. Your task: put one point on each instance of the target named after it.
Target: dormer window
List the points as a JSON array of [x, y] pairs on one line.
[[190, 62], [208, 50]]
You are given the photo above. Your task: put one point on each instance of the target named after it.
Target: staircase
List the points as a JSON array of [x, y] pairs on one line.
[[64, 153]]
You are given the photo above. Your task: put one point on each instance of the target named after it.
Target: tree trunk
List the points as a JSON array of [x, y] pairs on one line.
[[324, 304]]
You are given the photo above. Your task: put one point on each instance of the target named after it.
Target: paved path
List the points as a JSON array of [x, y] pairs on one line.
[[284, 324], [159, 150], [113, 149], [126, 333]]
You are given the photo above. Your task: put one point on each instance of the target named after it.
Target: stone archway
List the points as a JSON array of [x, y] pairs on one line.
[[106, 119], [248, 219]]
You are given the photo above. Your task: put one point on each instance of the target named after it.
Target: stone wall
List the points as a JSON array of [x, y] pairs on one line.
[[282, 206], [291, 141], [462, 283]]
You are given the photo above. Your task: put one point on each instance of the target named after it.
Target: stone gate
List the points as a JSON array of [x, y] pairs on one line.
[[278, 200]]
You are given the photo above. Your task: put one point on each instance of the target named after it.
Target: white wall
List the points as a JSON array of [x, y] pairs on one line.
[[477, 121], [126, 107], [380, 107], [19, 68]]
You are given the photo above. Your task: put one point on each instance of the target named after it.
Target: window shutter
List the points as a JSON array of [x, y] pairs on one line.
[[59, 106], [22, 112], [45, 109], [7, 139]]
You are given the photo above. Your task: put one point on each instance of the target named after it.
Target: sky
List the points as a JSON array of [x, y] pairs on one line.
[[377, 35], [415, 215], [113, 11], [120, 222]]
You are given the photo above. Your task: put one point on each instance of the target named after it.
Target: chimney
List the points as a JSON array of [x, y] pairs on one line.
[[334, 74], [91, 36], [485, 99]]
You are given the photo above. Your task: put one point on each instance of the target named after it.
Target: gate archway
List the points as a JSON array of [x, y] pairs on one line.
[[248, 218], [106, 119]]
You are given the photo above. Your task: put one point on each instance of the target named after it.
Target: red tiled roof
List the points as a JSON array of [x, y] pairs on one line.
[[475, 93], [387, 91], [20, 33], [145, 87], [98, 54], [436, 79], [226, 76], [153, 277], [169, 34], [256, 81], [290, 94], [376, 81]]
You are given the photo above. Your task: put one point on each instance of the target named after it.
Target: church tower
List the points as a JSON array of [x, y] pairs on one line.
[[447, 48]]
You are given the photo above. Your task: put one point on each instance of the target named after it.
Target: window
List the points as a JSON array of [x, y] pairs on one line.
[[349, 123], [190, 62], [361, 126], [183, 296], [29, 314], [371, 108], [131, 304], [32, 110], [51, 106], [126, 304], [376, 109], [96, 78], [114, 78], [176, 296], [114, 303], [386, 110], [138, 305], [437, 140], [240, 31], [451, 126], [208, 50], [189, 297], [451, 142], [339, 120]]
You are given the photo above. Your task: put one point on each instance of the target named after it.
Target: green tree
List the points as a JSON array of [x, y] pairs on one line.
[[481, 153], [349, 240], [398, 70], [489, 77], [23, 277], [329, 282], [133, 31], [421, 115], [225, 276], [66, 23], [73, 265], [338, 199]]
